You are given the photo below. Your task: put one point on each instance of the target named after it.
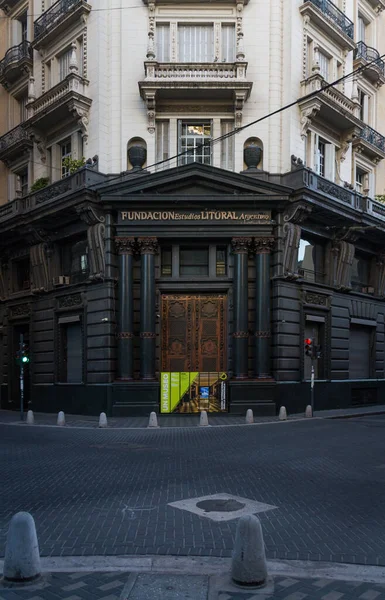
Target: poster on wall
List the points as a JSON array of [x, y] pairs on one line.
[[192, 392]]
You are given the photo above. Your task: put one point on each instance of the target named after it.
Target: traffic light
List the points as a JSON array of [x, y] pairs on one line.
[[22, 355], [309, 349]]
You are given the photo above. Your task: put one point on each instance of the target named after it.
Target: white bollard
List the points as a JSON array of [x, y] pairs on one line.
[[103, 420], [153, 420], [22, 558], [30, 418], [282, 414], [308, 412], [203, 421], [61, 420], [249, 416], [248, 563]]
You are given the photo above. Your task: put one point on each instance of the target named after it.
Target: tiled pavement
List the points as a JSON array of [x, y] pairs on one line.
[[151, 586]]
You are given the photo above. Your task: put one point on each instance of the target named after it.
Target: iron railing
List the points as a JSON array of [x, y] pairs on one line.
[[373, 137], [15, 55], [370, 54], [12, 137], [50, 17], [336, 15]]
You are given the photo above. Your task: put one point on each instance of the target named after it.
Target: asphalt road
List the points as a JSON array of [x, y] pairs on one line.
[[107, 492]]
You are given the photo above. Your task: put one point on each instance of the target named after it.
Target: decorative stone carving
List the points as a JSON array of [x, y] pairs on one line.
[[137, 156], [97, 259], [379, 275], [241, 245], [21, 310], [151, 31], [343, 256], [297, 213], [315, 298], [125, 245], [39, 268], [90, 215], [148, 245], [240, 55], [307, 117], [296, 163], [292, 236], [70, 301], [263, 245], [52, 191]]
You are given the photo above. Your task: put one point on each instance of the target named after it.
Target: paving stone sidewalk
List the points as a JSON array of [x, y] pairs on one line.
[[154, 586], [164, 421]]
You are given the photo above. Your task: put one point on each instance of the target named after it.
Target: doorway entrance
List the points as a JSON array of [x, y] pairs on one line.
[[193, 333]]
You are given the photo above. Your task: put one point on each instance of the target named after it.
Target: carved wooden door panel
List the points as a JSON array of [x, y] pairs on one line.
[[193, 333]]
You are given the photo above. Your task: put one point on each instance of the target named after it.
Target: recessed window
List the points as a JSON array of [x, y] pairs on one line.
[[22, 182], [21, 277], [163, 42], [196, 43], [362, 181], [360, 351], [24, 27], [65, 152], [221, 262], [23, 100], [64, 64], [360, 278], [321, 157], [324, 157], [311, 260], [193, 261], [361, 29], [364, 100], [324, 65], [195, 142], [166, 262], [74, 261]]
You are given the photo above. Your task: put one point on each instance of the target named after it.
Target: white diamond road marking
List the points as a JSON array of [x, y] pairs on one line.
[[251, 507]]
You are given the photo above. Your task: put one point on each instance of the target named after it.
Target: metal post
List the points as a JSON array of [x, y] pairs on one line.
[[21, 343], [312, 387]]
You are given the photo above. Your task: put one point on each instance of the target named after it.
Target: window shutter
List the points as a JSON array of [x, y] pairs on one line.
[[196, 43], [330, 159], [64, 64], [228, 42], [163, 43]]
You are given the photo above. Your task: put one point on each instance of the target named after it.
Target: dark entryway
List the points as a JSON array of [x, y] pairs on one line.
[[193, 333]]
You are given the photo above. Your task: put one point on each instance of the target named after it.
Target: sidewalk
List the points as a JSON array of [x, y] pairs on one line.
[[168, 578], [166, 421]]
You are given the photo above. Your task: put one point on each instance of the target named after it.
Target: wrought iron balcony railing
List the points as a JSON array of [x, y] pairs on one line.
[[17, 54], [54, 15], [12, 137], [373, 137], [370, 54], [339, 18]]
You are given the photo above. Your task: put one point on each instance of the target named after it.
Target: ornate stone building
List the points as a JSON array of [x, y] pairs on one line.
[[183, 266]]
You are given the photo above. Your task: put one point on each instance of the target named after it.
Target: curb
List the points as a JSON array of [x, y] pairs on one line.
[[208, 566]]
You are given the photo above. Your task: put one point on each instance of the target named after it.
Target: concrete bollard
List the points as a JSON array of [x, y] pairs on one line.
[[153, 420], [282, 414], [22, 558], [30, 418], [103, 420], [248, 563], [61, 420], [203, 421], [249, 416], [308, 412]]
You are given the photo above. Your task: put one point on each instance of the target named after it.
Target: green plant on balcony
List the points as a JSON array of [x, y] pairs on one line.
[[72, 165], [39, 184], [380, 198]]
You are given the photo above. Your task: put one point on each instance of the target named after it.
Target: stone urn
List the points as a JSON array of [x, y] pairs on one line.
[[252, 156], [137, 156]]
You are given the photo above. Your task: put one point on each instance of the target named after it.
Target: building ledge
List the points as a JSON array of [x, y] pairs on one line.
[[8, 5], [363, 57], [370, 143], [56, 19], [17, 62], [378, 5], [328, 17], [14, 144], [65, 101]]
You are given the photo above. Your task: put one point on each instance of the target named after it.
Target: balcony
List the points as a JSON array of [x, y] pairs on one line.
[[330, 105], [328, 17], [17, 62], [370, 143], [14, 144], [375, 72], [66, 101], [223, 82], [56, 19]]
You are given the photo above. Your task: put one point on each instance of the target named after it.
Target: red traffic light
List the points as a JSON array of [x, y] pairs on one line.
[[308, 341]]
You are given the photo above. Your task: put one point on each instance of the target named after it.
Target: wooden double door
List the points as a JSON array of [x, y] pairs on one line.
[[193, 333]]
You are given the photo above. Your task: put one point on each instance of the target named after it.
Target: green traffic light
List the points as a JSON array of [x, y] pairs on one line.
[[25, 359]]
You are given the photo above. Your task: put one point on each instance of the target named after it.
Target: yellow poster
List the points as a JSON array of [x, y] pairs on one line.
[[192, 392]]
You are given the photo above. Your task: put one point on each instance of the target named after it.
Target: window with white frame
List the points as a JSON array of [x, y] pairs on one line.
[[195, 42], [324, 65], [361, 29], [324, 157], [362, 180], [162, 141], [227, 145], [64, 64], [194, 141], [24, 27], [364, 100], [23, 100], [65, 152]]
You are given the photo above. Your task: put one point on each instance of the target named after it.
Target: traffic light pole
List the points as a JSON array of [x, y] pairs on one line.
[[21, 346], [312, 387]]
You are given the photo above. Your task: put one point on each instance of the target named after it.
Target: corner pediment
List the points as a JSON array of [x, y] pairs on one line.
[[190, 181]]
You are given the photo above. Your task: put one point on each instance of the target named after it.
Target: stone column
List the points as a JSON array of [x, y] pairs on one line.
[[263, 247], [240, 247], [125, 247], [148, 248]]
